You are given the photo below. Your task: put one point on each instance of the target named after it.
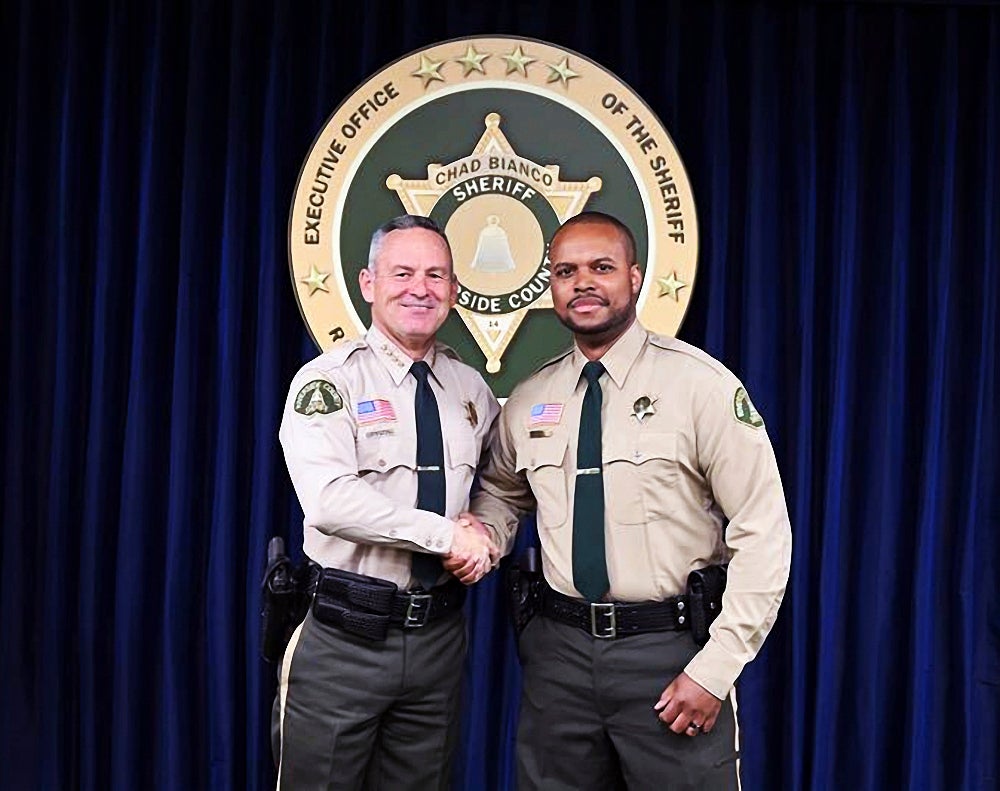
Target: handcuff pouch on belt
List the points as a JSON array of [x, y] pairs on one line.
[[356, 603], [368, 606], [524, 583], [285, 594], [705, 588]]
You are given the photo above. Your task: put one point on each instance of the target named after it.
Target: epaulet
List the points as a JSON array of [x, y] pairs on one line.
[[676, 345], [340, 353], [662, 341], [552, 360], [447, 351]]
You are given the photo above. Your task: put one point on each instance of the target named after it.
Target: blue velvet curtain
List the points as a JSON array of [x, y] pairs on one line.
[[845, 164]]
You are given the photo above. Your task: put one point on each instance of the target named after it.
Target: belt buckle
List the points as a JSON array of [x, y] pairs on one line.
[[418, 610], [603, 610]]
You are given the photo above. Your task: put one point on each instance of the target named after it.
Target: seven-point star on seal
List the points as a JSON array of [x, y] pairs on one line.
[[494, 158]]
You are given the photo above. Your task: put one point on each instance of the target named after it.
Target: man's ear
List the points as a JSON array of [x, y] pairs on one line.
[[367, 282]]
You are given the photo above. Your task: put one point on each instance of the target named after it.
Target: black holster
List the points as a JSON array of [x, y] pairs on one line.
[[524, 585], [285, 594], [704, 589]]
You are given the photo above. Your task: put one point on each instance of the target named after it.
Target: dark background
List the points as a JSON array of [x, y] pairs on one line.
[[844, 159]]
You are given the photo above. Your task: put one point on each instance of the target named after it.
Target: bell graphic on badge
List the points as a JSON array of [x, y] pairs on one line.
[[493, 251]]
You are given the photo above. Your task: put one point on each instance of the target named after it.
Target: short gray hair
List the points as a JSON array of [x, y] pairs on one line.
[[402, 223]]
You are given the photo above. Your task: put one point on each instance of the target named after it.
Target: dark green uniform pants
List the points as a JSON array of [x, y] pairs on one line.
[[352, 713], [587, 718]]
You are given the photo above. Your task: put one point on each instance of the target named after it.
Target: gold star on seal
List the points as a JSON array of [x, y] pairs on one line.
[[472, 61], [518, 61], [561, 71], [315, 280], [669, 286], [428, 70]]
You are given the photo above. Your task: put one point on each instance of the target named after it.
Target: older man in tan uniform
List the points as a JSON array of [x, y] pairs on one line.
[[382, 438], [645, 460]]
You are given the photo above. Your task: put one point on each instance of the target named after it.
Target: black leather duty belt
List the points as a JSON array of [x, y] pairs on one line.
[[609, 620], [369, 606]]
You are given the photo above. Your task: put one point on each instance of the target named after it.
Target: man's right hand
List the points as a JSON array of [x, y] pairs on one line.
[[472, 552]]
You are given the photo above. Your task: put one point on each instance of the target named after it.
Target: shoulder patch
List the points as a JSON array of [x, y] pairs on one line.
[[318, 397], [744, 410]]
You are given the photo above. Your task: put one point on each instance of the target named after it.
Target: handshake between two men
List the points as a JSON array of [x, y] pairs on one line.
[[473, 554]]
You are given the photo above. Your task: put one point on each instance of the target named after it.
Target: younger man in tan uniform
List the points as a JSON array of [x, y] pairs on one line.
[[635, 449]]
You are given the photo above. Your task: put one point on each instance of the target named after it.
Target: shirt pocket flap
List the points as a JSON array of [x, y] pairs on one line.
[[461, 450], [639, 448], [537, 452], [542, 460], [641, 469], [385, 453]]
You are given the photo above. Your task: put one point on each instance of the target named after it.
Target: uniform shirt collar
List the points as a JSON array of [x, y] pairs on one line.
[[397, 362], [617, 360]]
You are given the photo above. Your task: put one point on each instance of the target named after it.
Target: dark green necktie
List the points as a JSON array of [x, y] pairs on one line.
[[430, 467], [590, 567]]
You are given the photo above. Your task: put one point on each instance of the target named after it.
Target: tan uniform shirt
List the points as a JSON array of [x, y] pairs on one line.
[[673, 471], [354, 465]]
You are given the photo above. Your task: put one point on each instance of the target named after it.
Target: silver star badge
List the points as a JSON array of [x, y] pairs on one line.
[[643, 407]]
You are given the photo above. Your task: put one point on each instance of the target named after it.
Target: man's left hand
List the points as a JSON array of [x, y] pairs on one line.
[[471, 569], [687, 707]]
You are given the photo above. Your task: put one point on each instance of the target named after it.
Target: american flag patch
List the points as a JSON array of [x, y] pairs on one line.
[[375, 411], [545, 415]]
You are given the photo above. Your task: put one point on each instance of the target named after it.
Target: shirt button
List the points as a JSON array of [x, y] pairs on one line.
[[392, 534], [381, 462], [637, 455]]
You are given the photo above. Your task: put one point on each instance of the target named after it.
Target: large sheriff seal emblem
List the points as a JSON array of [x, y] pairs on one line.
[[500, 140]]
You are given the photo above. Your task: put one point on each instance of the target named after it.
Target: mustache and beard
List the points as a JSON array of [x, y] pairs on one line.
[[616, 319]]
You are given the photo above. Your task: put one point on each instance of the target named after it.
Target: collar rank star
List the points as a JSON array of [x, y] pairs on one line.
[[642, 408]]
